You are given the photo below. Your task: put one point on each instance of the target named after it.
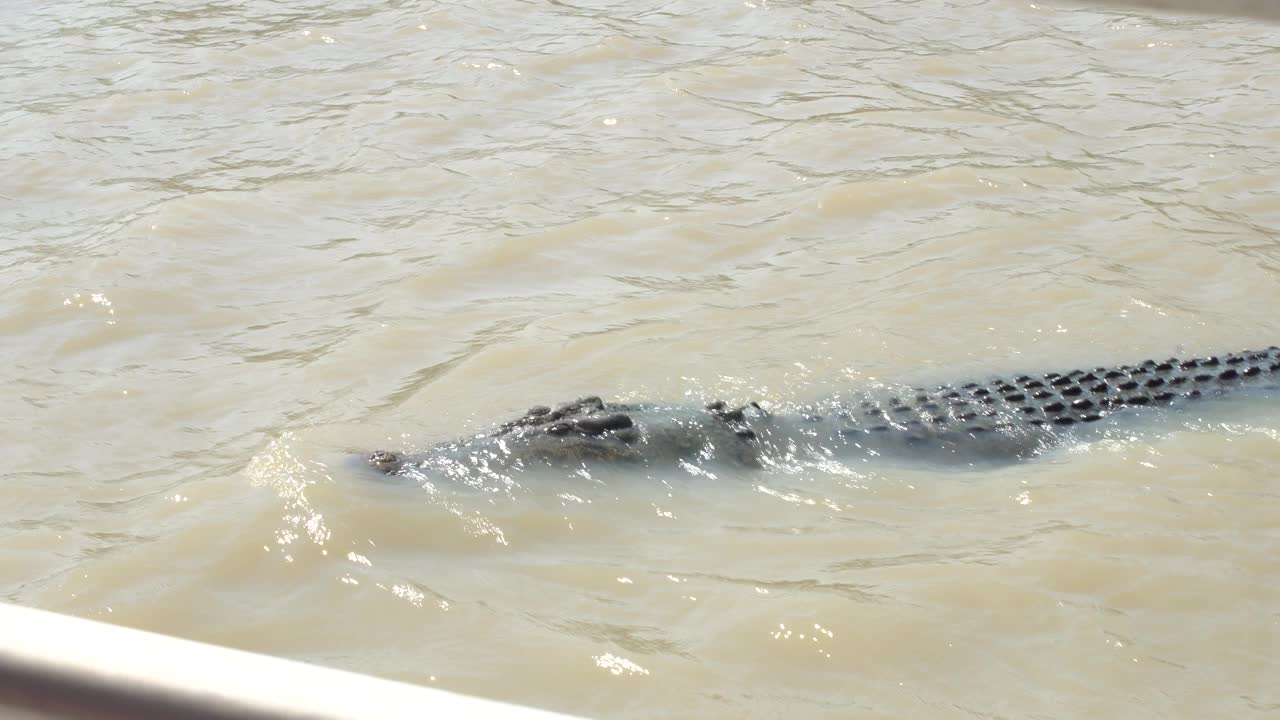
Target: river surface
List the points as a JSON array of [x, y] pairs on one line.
[[243, 239]]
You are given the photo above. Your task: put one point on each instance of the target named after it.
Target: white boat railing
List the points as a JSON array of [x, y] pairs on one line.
[[59, 666]]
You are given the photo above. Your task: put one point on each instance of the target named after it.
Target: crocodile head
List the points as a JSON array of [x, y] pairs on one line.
[[591, 430]]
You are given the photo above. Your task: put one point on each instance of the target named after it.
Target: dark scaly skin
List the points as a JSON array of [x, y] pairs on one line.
[[999, 420]]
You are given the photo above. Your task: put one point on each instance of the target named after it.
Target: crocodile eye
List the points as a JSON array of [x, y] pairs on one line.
[[598, 424], [387, 462]]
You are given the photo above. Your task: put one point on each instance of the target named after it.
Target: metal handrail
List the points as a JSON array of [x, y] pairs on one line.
[[59, 666]]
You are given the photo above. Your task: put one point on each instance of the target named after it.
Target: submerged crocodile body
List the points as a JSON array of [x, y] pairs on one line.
[[997, 420]]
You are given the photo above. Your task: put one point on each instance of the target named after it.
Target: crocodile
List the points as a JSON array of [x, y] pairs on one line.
[[997, 420]]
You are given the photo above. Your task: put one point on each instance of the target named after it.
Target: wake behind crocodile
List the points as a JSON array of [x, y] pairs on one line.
[[962, 425]]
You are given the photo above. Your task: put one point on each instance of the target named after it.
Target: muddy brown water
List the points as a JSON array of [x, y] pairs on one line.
[[243, 239]]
